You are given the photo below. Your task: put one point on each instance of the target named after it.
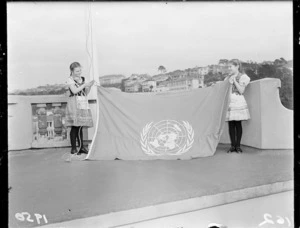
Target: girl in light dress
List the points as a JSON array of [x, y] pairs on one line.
[[78, 115], [238, 108]]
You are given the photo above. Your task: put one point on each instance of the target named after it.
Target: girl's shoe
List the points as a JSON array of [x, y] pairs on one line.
[[73, 151], [239, 150], [231, 149], [83, 151]]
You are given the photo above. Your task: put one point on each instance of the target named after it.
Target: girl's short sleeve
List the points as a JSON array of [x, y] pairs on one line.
[[70, 81], [244, 80]]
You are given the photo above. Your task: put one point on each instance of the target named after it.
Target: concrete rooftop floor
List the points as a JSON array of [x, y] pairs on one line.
[[41, 182]]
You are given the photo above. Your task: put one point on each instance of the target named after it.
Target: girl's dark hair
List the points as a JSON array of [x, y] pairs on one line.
[[238, 63], [73, 66]]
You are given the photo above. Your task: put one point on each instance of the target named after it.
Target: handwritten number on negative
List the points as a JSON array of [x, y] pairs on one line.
[[280, 220], [26, 216]]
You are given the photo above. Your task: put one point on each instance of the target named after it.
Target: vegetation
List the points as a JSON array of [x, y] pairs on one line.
[[273, 71], [162, 69], [210, 77], [56, 89], [115, 85], [258, 71], [277, 69]]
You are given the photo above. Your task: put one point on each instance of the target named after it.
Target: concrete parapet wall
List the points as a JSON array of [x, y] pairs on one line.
[[19, 123], [271, 124], [20, 128]]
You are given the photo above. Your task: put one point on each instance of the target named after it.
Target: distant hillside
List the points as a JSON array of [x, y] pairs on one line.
[[56, 89], [279, 68], [112, 75]]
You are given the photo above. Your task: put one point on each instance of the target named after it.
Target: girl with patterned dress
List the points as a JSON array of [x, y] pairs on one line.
[[238, 108], [78, 115]]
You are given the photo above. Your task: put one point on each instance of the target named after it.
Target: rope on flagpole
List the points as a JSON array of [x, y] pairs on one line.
[[90, 35], [88, 30]]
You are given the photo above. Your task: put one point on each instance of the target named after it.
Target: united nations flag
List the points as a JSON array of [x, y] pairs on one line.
[[143, 126]]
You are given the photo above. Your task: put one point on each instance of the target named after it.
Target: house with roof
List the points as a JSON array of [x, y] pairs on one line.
[[148, 85], [267, 63], [160, 77], [133, 87], [111, 79], [223, 62], [183, 84], [203, 70]]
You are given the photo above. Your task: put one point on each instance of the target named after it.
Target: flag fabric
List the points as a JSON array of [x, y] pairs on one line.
[[146, 126]]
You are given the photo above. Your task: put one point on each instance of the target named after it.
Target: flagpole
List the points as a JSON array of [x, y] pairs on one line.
[[93, 75]]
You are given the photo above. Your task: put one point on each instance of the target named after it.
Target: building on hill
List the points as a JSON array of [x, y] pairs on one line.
[[224, 69], [192, 72], [182, 84], [134, 82], [133, 87], [182, 75], [196, 73], [201, 81], [139, 77], [223, 62], [203, 70], [161, 87], [111, 79], [267, 63], [148, 85], [215, 69], [161, 77]]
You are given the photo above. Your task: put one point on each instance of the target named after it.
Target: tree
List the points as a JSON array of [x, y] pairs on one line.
[[283, 74], [266, 71], [122, 86], [280, 62], [286, 89], [283, 60], [211, 77], [251, 73], [162, 69]]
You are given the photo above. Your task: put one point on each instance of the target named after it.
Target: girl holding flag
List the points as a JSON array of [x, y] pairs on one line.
[[78, 114], [238, 109]]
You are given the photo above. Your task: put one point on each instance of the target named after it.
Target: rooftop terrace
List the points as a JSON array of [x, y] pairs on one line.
[[42, 183]]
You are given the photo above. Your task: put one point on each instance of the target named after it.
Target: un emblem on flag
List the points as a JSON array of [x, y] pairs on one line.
[[167, 137]]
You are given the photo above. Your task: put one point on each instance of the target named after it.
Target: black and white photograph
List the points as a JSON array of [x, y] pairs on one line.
[[150, 114]]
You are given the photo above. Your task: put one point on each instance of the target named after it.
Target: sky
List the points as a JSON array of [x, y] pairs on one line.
[[44, 38]]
